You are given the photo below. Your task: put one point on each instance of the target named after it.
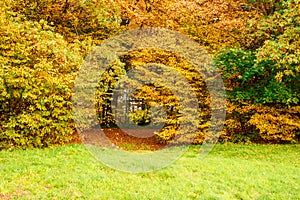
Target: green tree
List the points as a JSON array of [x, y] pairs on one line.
[[265, 75]]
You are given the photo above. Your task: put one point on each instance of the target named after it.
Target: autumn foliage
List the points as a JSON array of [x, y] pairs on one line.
[[262, 79], [255, 45], [37, 70]]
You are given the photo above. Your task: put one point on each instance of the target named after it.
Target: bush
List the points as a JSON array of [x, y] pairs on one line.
[[262, 79], [140, 117], [36, 76]]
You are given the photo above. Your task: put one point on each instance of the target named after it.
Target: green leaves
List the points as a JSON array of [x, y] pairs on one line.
[[263, 77]]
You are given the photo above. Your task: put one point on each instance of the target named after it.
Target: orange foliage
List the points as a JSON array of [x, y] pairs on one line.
[[247, 122], [215, 24]]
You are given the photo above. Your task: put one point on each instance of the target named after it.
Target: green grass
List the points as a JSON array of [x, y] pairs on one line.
[[228, 172]]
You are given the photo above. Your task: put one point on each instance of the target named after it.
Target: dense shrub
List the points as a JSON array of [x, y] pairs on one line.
[[42, 48], [36, 75], [263, 80]]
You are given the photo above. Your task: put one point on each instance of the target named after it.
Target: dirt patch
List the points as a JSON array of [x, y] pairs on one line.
[[127, 139], [4, 196]]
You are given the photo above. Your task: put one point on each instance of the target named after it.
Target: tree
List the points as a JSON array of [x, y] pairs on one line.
[[37, 70], [74, 19], [263, 78], [214, 24], [155, 94]]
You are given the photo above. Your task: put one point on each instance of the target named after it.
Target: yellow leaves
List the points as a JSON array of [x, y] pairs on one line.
[[243, 107], [214, 24], [276, 127], [271, 123], [166, 134], [73, 19], [279, 76], [38, 68], [42, 75]]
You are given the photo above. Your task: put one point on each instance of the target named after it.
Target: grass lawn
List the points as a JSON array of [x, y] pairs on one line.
[[228, 172]]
